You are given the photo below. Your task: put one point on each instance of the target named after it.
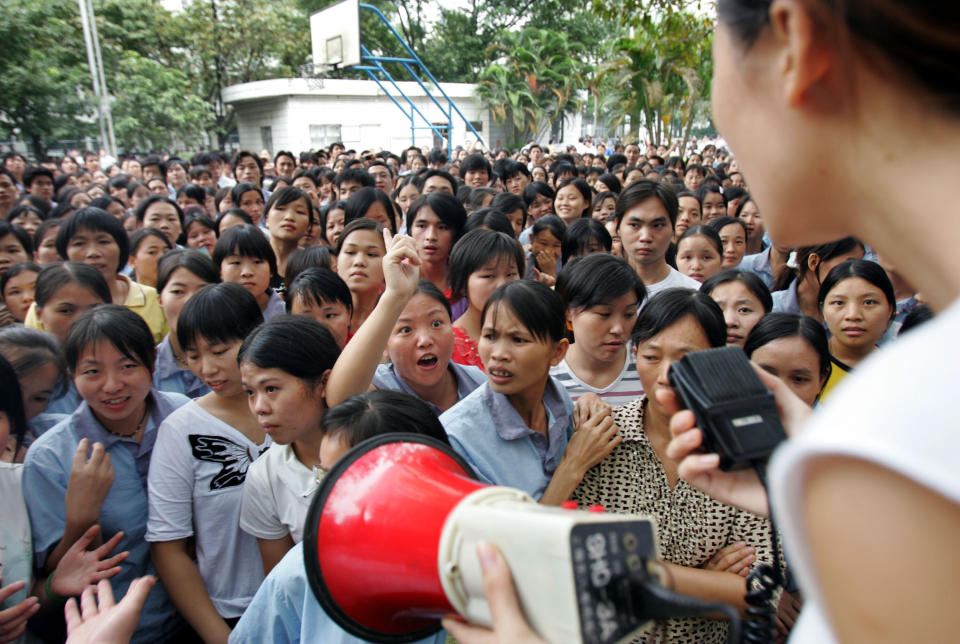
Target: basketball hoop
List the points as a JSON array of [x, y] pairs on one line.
[[314, 75]]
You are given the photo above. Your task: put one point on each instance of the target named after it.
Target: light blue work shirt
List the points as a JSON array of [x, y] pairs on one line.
[[46, 471], [42, 422], [168, 376], [759, 265], [275, 306], [786, 301], [285, 610], [486, 430], [468, 378]]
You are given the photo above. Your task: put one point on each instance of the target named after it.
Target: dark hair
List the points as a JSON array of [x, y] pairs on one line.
[[309, 257], [915, 318], [535, 305], [551, 223], [774, 326], [192, 260], [707, 233], [709, 187], [357, 175], [318, 284], [141, 234], [219, 313], [11, 402], [34, 171], [824, 252], [472, 198], [922, 48], [379, 412], [511, 168], [359, 224], [22, 235], [294, 344], [617, 159], [13, 271], [611, 182], [325, 212], [473, 163], [241, 189], [52, 277], [240, 155], [116, 324], [474, 250], [288, 195], [644, 189], [580, 233], [203, 220], [491, 219], [670, 305], [16, 211], [29, 349], [192, 191], [236, 212], [535, 189], [507, 202], [94, 220], [430, 290], [42, 230], [601, 197], [585, 191], [245, 241], [421, 179], [865, 270], [753, 283], [597, 279], [141, 210], [719, 223], [446, 207], [360, 202]]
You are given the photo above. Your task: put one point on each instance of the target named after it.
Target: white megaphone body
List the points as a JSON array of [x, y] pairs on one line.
[[390, 547]]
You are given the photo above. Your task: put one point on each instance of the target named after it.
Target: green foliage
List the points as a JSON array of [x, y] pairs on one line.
[[160, 114]]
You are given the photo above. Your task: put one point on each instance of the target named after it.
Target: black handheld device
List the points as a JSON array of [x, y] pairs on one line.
[[734, 409]]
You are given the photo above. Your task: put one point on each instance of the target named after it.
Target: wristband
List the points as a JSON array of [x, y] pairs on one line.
[[48, 591]]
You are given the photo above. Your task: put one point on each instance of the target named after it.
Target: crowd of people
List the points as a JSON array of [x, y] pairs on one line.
[[187, 346]]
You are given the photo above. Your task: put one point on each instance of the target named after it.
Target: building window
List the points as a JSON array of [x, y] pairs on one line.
[[321, 136]]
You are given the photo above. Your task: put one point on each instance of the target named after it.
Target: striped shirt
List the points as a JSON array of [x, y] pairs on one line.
[[624, 389]]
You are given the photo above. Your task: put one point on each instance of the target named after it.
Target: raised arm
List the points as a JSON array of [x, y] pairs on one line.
[[354, 369]]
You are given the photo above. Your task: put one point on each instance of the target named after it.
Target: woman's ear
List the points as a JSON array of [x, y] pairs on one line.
[[559, 351], [320, 389], [813, 263], [806, 55]]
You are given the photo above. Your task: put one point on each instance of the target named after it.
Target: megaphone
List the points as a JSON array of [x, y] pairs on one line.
[[390, 547]]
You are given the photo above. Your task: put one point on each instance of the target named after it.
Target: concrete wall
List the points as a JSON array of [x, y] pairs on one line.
[[366, 116]]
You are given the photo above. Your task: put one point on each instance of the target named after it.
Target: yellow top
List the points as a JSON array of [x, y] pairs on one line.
[[141, 299], [837, 373]]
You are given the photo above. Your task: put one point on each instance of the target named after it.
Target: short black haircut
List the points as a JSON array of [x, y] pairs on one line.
[[580, 233], [379, 412], [141, 210], [474, 250], [94, 220], [446, 207], [294, 344], [511, 168], [864, 269], [774, 326], [670, 305], [116, 324], [491, 219], [554, 224], [421, 178], [201, 219], [193, 260], [753, 283], [288, 195], [507, 202], [239, 156], [34, 171], [245, 241], [357, 175], [236, 212], [612, 182], [359, 224], [719, 223], [473, 163], [317, 285], [140, 235], [535, 189], [6, 228], [219, 313], [13, 271], [535, 305], [308, 257], [644, 189], [437, 156], [360, 202], [614, 160], [53, 276], [241, 189], [597, 279]]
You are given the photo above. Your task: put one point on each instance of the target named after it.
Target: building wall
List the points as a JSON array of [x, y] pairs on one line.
[[367, 118]]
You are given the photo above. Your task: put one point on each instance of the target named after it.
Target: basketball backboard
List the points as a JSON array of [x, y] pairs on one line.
[[335, 35]]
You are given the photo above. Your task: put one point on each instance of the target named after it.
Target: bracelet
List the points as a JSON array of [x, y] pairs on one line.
[[49, 591]]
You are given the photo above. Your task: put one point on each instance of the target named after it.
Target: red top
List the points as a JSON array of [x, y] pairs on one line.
[[465, 349]]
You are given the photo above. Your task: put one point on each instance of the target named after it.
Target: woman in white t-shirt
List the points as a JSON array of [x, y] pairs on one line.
[[601, 294], [285, 365], [198, 467]]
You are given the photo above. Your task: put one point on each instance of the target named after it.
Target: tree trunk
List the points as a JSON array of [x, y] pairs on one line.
[[36, 143]]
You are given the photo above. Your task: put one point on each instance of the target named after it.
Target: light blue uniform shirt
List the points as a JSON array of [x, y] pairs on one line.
[[786, 301], [285, 610], [487, 431], [759, 265], [167, 376], [66, 403], [468, 378], [46, 471], [275, 306]]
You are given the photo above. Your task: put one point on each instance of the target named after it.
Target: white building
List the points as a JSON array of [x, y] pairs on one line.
[[299, 114]]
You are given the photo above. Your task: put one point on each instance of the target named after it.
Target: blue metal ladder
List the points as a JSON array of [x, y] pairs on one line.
[[378, 73]]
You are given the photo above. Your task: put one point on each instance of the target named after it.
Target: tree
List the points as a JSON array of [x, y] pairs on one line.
[[43, 71], [533, 84], [160, 114]]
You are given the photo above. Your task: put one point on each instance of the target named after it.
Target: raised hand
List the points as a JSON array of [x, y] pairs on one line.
[[13, 620], [401, 264], [108, 623], [80, 568], [89, 483]]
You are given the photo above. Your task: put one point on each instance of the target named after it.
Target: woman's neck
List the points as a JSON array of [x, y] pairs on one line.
[[777, 261], [129, 426], [176, 349], [443, 394], [282, 248], [656, 425], [807, 290], [264, 299], [529, 404], [307, 450], [754, 245], [118, 289], [470, 322], [435, 273], [847, 355], [651, 273], [596, 373], [363, 304]]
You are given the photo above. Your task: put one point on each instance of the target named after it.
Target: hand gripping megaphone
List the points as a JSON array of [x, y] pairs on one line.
[[390, 547]]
